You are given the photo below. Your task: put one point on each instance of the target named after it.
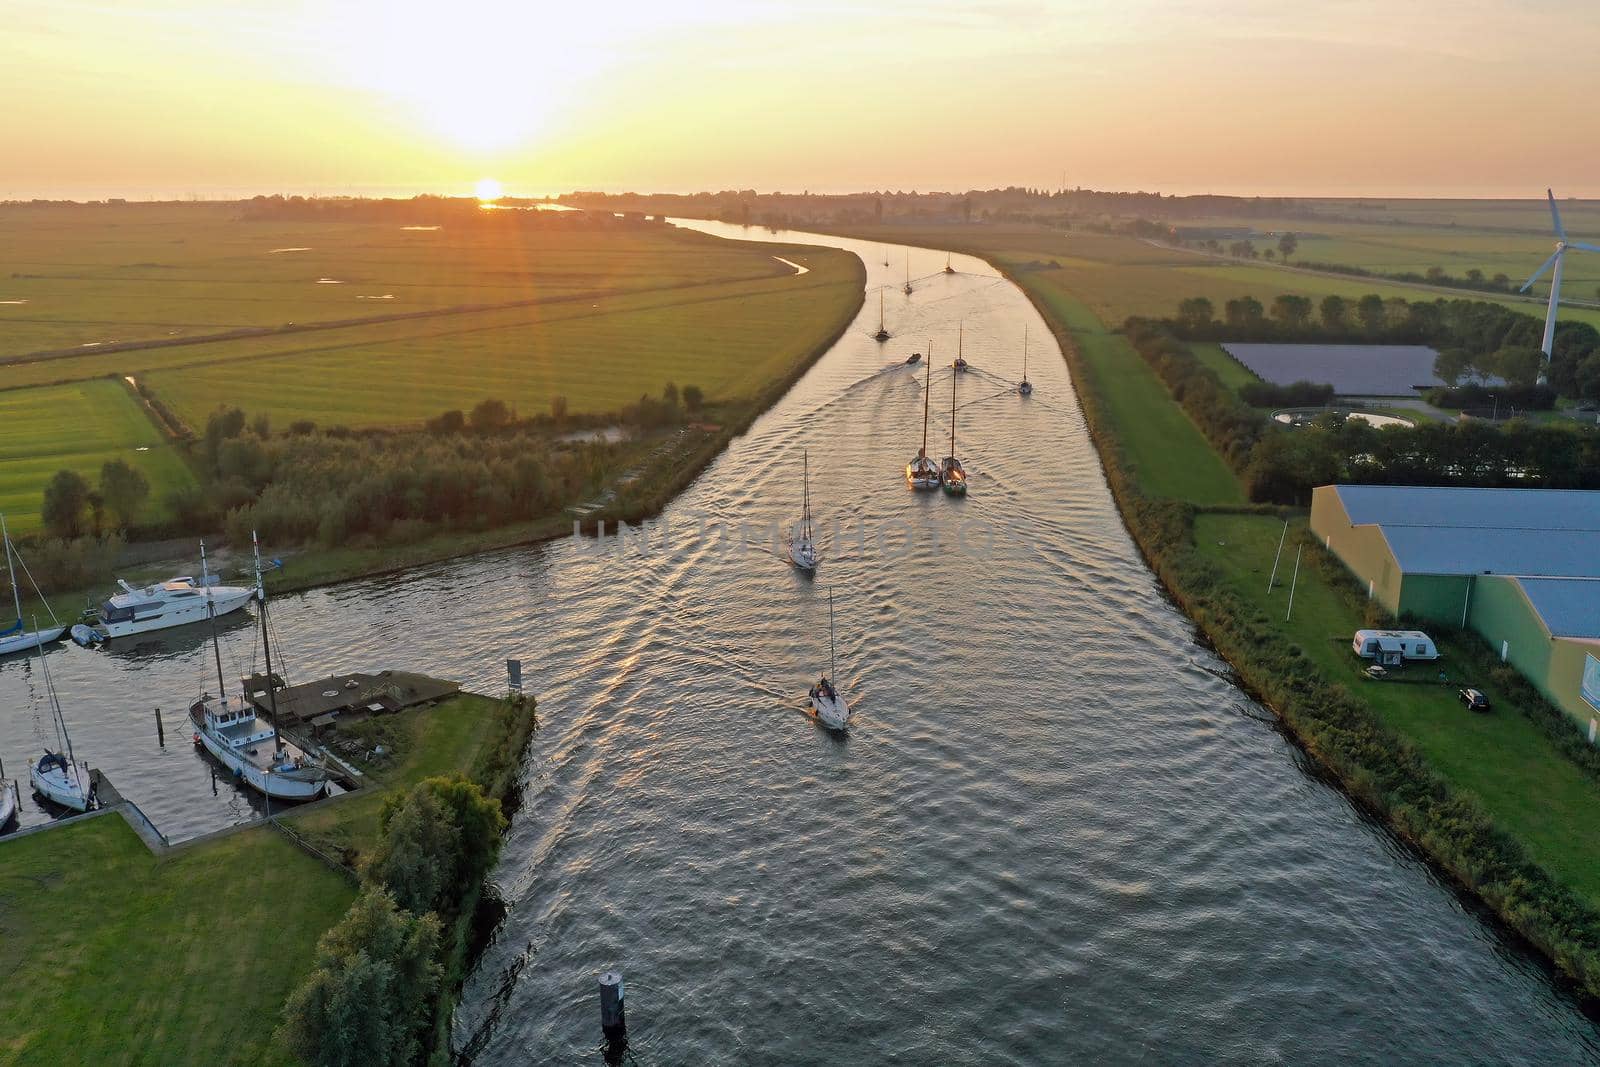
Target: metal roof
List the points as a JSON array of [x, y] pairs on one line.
[[1479, 550], [1352, 370], [1570, 607], [1494, 509]]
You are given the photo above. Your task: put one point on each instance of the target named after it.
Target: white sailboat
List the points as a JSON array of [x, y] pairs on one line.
[[951, 472], [230, 729], [922, 472], [826, 701], [883, 332], [802, 542], [9, 799], [948, 269], [1025, 387], [58, 777], [908, 272], [14, 638]]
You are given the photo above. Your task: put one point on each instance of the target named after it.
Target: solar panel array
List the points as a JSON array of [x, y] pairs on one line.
[[1352, 370]]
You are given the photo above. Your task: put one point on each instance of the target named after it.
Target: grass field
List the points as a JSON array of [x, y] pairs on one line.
[[728, 338], [72, 276], [1168, 453], [1501, 758], [114, 955], [1233, 373], [78, 427]]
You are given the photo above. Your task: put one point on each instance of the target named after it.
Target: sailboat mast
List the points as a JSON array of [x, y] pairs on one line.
[[805, 496], [16, 590], [266, 644], [55, 704], [927, 393], [832, 670], [880, 310], [953, 378], [1024, 351], [211, 621]]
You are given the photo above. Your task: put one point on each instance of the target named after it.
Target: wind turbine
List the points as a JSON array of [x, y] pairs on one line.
[[1556, 259]]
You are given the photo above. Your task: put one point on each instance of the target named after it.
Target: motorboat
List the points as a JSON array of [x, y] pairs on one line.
[[16, 637], [827, 703], [922, 472], [913, 359], [250, 747], [175, 602], [86, 635], [802, 547]]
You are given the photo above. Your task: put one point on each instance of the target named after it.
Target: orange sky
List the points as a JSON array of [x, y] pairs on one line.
[[172, 97]]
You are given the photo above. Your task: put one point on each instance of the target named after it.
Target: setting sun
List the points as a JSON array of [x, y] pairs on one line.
[[489, 190]]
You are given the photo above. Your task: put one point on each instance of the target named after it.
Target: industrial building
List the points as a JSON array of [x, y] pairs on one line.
[[1519, 566]]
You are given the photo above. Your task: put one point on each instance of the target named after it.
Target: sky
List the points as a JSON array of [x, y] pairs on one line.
[[1253, 97]]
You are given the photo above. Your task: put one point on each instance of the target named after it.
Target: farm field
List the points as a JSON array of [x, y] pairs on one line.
[[78, 427], [727, 338], [88, 915], [1122, 276], [89, 275]]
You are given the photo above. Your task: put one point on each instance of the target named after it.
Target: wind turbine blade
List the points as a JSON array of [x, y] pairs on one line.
[[1544, 267], [1555, 216], [1583, 245]]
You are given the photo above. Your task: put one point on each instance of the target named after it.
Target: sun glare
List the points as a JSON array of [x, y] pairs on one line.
[[489, 190]]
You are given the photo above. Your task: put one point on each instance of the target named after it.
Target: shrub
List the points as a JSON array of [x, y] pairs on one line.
[[66, 498]]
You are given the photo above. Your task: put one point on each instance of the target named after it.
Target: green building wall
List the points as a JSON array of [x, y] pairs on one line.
[[1503, 615], [1435, 597]]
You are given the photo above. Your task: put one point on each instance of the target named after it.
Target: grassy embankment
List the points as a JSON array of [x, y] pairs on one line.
[[1496, 800], [604, 316], [114, 955]]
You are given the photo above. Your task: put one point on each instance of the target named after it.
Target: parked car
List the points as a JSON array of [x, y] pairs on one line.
[[1474, 700]]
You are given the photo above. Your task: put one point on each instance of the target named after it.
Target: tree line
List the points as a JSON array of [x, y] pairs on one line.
[[1282, 465]]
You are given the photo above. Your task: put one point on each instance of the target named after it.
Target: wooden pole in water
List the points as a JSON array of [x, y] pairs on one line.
[[1295, 581], [161, 730], [613, 1021], [1281, 537]]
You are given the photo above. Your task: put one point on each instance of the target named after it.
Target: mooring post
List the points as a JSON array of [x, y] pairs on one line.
[[161, 730], [613, 1023]]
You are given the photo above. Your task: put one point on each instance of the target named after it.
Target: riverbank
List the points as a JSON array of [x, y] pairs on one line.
[[229, 922], [1472, 833]]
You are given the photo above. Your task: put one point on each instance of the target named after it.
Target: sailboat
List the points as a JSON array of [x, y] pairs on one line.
[[882, 334], [826, 700], [885, 255], [14, 638], [951, 473], [948, 269], [908, 273], [9, 799], [922, 472], [59, 778], [1025, 387], [802, 545], [233, 733], [961, 360]]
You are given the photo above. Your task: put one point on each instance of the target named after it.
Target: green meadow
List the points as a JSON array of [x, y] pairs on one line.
[[115, 955], [78, 427]]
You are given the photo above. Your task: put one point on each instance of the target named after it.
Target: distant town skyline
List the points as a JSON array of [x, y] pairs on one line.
[[1351, 98]]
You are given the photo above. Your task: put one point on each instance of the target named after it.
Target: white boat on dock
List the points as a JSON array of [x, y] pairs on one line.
[[175, 602], [15, 638], [250, 747], [10, 800], [58, 776]]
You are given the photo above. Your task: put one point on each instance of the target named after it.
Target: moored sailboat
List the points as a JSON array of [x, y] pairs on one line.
[[802, 543], [229, 728], [922, 472], [58, 776], [14, 638], [829, 705], [951, 473], [9, 798]]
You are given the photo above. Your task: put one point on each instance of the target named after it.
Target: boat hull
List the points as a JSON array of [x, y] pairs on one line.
[[28, 641], [834, 714], [803, 555], [9, 802], [291, 785], [70, 789], [183, 615]]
